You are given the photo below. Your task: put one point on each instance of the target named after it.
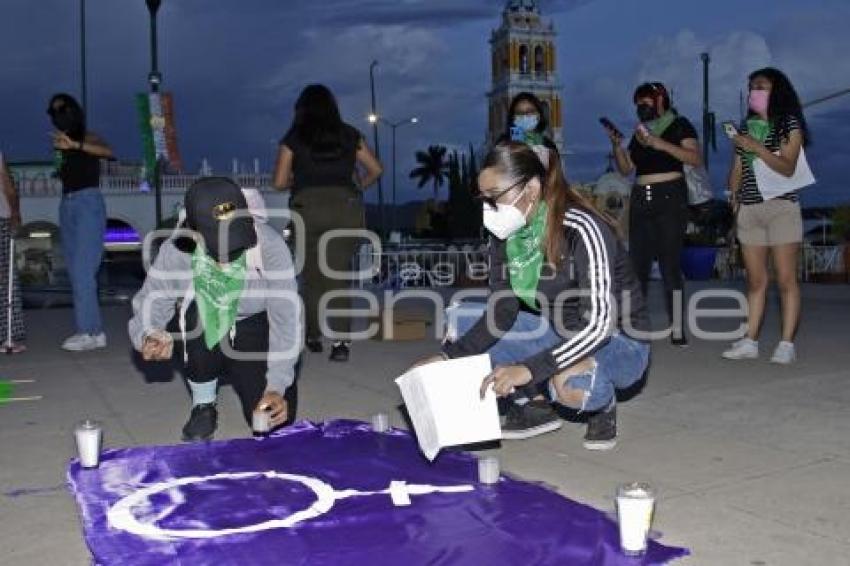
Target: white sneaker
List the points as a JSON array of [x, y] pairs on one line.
[[784, 353], [84, 342], [743, 349]]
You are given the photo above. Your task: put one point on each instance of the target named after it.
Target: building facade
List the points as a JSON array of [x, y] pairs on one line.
[[130, 212], [524, 59]]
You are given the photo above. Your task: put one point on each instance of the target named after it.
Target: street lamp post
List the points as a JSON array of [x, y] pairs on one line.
[[374, 118], [707, 116], [154, 78], [154, 81], [374, 112], [393, 214], [83, 87]]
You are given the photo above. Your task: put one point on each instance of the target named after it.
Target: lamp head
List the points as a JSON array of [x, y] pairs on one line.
[[153, 6]]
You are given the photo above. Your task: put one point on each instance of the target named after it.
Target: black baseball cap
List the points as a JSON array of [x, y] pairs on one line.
[[217, 210]]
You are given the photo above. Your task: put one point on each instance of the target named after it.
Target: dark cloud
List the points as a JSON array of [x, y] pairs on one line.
[[345, 13], [236, 67], [436, 13]]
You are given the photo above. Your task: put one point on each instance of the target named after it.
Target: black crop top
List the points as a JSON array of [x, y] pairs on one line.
[[317, 170], [650, 161], [79, 170]]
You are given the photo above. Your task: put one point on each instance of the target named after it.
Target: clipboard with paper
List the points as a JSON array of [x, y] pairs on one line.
[[772, 184]]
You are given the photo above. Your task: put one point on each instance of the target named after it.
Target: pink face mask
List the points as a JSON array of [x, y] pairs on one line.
[[759, 100]]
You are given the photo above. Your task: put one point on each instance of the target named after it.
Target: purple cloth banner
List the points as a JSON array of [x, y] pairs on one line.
[[332, 494]]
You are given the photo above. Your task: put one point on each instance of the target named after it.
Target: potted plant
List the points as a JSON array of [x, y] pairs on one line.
[[709, 223], [841, 231], [699, 256]]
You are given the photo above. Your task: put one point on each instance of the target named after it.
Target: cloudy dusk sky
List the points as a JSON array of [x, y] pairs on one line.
[[236, 66]]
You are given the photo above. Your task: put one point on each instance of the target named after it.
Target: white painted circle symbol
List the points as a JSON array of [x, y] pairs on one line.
[[121, 514], [122, 517]]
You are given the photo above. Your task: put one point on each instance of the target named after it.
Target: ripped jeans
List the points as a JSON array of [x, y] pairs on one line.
[[618, 364]]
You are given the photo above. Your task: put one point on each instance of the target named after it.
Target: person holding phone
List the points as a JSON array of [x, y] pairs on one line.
[[775, 131], [527, 124], [662, 144]]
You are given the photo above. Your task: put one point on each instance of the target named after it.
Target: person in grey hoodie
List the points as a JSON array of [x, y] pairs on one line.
[[240, 314]]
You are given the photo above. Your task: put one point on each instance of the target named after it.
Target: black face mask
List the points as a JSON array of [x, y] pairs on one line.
[[65, 123], [646, 113], [67, 116]]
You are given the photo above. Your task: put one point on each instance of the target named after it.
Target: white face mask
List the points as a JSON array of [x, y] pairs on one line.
[[506, 220]]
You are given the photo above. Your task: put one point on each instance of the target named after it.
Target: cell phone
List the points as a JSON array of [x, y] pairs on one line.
[[609, 125], [517, 134], [730, 129]]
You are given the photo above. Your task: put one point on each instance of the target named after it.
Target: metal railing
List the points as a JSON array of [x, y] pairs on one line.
[[44, 185], [41, 185], [814, 260], [468, 266], [821, 260]]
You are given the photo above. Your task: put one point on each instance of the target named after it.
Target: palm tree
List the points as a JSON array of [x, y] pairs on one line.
[[432, 167]]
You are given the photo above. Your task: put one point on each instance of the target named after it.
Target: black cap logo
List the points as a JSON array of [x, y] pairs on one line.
[[224, 211]]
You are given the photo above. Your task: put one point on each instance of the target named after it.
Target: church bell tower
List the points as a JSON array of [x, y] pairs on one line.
[[523, 59]]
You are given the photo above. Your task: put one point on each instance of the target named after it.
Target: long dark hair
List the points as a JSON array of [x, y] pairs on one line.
[[784, 101], [653, 90], [318, 123], [520, 165], [67, 115], [534, 101]]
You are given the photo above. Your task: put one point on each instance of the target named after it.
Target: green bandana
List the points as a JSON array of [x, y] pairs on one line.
[[58, 160], [525, 257], [758, 129], [533, 138], [660, 124], [217, 291]]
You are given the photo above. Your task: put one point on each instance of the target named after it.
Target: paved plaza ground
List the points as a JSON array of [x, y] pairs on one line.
[[751, 461]]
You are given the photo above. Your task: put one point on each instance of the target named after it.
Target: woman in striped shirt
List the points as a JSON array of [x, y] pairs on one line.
[[774, 132], [565, 316]]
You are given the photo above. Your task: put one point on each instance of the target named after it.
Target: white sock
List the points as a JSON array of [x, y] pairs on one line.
[[203, 393]]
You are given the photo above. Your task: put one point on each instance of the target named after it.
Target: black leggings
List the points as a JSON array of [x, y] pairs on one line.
[[658, 216], [248, 377]]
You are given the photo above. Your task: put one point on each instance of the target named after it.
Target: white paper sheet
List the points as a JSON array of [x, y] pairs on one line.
[[772, 184], [445, 406]]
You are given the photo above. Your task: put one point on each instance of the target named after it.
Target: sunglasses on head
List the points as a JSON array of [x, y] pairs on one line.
[[490, 199]]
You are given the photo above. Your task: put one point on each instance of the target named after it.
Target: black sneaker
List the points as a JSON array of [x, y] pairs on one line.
[[679, 342], [339, 352], [529, 420], [314, 345], [602, 429], [202, 423]]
